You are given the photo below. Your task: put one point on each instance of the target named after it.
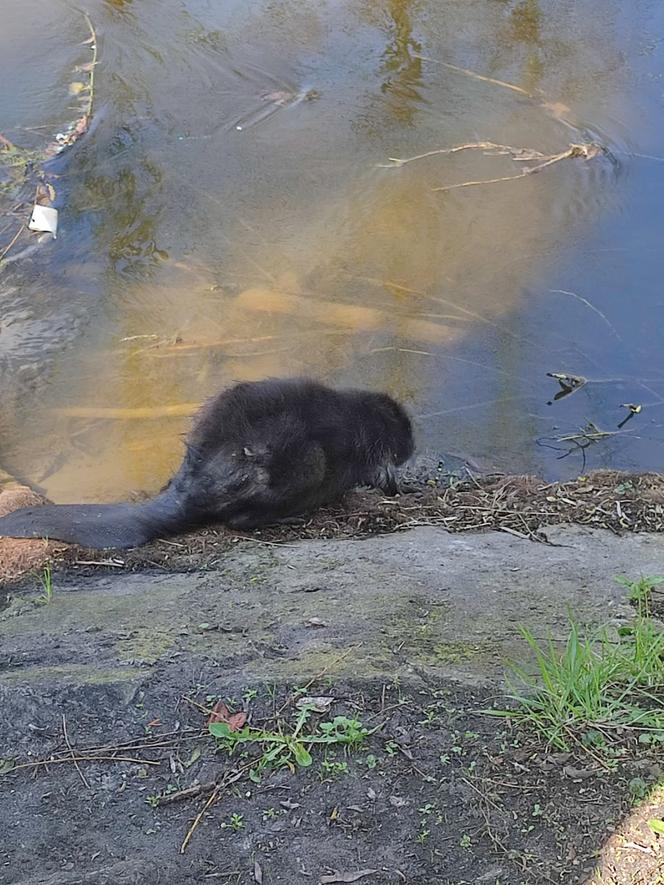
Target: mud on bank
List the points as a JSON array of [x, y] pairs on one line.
[[438, 793], [407, 632], [520, 505]]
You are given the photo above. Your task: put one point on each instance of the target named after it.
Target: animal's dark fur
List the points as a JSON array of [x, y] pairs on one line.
[[258, 453]]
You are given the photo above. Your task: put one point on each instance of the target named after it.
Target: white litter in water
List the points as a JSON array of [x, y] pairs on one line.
[[44, 219]]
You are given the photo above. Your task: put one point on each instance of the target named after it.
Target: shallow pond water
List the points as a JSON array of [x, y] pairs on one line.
[[233, 212]]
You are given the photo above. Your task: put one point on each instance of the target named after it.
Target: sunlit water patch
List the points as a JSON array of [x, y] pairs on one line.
[[445, 200]]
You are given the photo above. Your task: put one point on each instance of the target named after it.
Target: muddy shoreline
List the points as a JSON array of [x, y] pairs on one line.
[[403, 621], [523, 506]]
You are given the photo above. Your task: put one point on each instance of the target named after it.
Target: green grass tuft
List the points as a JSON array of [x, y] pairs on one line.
[[595, 687], [46, 581]]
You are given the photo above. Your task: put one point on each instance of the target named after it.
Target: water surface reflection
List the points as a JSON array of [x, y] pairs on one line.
[[232, 214]]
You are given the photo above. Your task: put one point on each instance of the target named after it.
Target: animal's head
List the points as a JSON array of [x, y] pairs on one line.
[[396, 425]]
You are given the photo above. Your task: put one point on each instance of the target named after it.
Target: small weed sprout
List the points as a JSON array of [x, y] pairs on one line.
[[330, 767], [235, 823], [46, 582], [391, 748], [422, 837]]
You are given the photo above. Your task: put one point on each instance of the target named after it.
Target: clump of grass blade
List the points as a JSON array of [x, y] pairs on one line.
[[593, 682]]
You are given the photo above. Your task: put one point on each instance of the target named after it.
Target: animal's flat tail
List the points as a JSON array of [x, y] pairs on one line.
[[96, 525]]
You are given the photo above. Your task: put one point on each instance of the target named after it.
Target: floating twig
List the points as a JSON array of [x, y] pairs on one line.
[[12, 242], [490, 147], [581, 440], [582, 151], [588, 305], [474, 75], [31, 163], [80, 126]]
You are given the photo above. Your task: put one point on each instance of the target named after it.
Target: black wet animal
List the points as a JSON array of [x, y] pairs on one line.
[[258, 453]]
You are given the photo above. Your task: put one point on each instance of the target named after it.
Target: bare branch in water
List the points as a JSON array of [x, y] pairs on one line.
[[475, 76], [582, 151], [490, 147], [590, 306], [580, 440]]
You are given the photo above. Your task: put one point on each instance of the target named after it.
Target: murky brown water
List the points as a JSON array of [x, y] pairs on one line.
[[233, 213]]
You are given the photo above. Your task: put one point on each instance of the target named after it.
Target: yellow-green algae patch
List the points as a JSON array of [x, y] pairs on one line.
[[71, 674], [145, 644]]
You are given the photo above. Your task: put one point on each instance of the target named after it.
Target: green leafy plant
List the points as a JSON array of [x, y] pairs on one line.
[[641, 591], [290, 749]]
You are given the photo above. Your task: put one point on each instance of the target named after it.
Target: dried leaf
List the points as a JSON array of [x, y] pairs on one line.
[[578, 774], [317, 704], [258, 873], [45, 194], [6, 765], [195, 756], [346, 877], [221, 713], [77, 87], [80, 128], [288, 805], [237, 720]]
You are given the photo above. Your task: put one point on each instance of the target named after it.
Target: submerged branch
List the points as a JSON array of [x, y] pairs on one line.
[[475, 76], [491, 148], [582, 151]]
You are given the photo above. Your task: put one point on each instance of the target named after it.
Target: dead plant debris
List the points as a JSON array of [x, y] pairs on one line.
[[523, 155], [520, 505]]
